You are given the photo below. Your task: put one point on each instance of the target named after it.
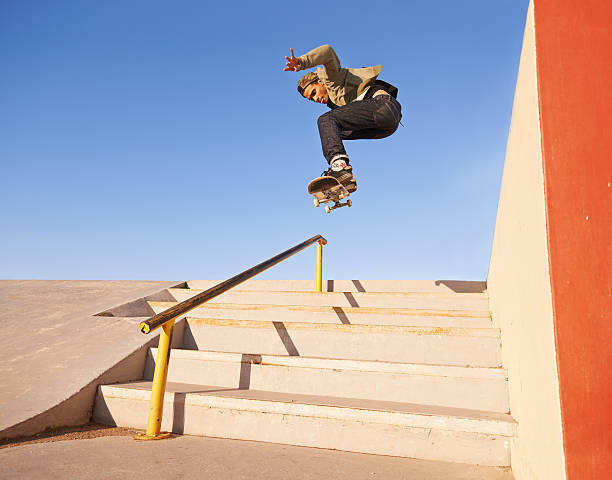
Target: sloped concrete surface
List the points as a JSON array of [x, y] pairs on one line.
[[214, 458], [53, 346]]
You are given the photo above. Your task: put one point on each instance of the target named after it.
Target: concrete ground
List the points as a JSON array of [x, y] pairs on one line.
[[69, 455]]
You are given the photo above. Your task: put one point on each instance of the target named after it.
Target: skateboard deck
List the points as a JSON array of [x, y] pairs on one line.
[[327, 190]]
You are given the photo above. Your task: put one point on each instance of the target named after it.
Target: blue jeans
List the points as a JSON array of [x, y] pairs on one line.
[[377, 117]]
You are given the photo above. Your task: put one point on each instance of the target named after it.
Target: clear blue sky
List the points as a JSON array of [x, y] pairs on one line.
[[163, 140]]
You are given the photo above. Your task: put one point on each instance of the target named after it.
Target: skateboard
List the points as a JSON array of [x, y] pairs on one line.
[[326, 190]]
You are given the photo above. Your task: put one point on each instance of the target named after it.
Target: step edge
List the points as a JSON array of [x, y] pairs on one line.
[[504, 425], [484, 332], [393, 311], [482, 295], [322, 363]]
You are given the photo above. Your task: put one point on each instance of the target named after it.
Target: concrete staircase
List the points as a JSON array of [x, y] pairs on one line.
[[399, 368]]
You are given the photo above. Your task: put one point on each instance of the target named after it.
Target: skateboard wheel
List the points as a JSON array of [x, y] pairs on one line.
[[316, 202], [327, 209], [341, 196], [349, 203]]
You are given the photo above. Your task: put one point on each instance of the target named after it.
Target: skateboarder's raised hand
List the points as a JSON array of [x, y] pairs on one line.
[[293, 64]]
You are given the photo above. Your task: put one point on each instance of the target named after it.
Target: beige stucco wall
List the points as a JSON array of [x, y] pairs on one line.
[[519, 286]]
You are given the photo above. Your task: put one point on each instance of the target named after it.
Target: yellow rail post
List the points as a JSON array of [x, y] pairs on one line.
[[156, 407], [319, 266]]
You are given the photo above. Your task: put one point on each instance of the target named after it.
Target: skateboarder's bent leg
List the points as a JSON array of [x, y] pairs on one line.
[[377, 117]]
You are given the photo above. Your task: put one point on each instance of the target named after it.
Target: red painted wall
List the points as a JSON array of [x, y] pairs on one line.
[[574, 65]]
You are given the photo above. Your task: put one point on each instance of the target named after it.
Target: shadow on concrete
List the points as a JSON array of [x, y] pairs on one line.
[[140, 307], [189, 341], [286, 339], [178, 413], [79, 432], [341, 315], [351, 299], [247, 360], [459, 286]]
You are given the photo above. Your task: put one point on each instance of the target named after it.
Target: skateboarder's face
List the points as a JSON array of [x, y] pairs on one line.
[[316, 92]]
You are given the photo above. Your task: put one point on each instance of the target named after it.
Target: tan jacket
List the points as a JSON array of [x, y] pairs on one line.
[[343, 84]]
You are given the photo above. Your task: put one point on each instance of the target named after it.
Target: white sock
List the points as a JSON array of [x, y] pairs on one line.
[[338, 163]]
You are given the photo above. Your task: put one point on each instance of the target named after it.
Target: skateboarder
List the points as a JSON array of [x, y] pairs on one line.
[[361, 106]]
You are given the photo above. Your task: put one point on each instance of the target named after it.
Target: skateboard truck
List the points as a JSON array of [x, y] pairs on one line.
[[326, 190], [328, 209]]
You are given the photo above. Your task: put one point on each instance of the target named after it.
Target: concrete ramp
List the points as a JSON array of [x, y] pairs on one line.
[[55, 348]]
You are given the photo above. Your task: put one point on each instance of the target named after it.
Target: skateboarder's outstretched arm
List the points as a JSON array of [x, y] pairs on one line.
[[323, 55]]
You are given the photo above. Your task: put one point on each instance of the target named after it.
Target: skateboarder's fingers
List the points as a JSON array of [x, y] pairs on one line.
[[291, 50]]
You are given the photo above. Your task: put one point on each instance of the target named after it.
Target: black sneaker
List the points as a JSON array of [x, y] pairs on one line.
[[343, 172]]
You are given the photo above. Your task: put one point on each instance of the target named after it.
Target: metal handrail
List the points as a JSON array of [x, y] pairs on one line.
[[193, 302], [165, 320]]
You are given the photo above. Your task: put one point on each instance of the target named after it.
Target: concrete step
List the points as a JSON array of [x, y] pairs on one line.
[[432, 286], [346, 315], [366, 426], [420, 300], [478, 347], [458, 387]]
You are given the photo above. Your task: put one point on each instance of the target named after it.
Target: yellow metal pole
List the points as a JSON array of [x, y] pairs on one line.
[[319, 267], [156, 407]]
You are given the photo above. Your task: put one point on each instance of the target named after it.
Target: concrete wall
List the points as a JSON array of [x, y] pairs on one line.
[[519, 286]]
